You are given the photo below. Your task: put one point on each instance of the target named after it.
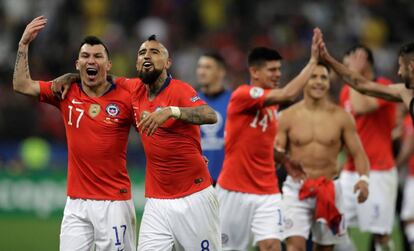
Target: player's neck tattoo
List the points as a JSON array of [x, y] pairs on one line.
[[156, 86]]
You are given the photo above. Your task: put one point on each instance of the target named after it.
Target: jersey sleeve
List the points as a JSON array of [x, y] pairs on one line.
[[188, 97], [249, 97], [46, 94]]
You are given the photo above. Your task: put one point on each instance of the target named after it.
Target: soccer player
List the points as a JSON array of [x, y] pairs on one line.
[[182, 211], [375, 120], [182, 208], [97, 114], [211, 70], [313, 132], [406, 157], [401, 92], [250, 201]]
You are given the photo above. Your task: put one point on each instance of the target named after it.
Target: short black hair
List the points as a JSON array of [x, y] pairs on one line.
[[370, 55], [406, 49], [323, 64], [260, 55], [216, 57], [92, 40]]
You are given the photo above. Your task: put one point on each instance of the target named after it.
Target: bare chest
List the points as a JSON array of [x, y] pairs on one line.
[[321, 128]]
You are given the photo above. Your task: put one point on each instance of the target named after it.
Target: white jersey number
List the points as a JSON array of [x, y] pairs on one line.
[[263, 122], [80, 111]]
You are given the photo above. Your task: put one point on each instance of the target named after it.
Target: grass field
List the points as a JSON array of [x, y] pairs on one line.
[[25, 233]]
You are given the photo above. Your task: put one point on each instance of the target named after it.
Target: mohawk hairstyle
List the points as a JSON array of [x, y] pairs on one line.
[[153, 37], [93, 40]]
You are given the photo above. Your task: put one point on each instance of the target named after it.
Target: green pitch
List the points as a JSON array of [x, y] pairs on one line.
[[22, 233]]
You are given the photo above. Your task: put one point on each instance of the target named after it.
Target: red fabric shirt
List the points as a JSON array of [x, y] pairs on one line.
[[97, 133], [408, 131], [249, 137], [374, 129], [324, 192], [175, 166]]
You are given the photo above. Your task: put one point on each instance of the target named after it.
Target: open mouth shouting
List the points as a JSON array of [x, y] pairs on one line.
[[147, 65], [91, 72]]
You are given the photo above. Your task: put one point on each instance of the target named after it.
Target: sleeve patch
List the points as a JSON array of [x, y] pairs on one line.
[[256, 92], [195, 98]]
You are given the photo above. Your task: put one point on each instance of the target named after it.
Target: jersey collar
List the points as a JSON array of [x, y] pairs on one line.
[[109, 79], [165, 84]]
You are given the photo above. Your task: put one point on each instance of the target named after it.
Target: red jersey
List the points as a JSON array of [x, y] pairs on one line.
[[175, 165], [249, 137], [408, 131], [374, 129], [97, 131]]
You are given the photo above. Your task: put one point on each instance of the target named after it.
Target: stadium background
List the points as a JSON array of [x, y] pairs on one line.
[[32, 139]]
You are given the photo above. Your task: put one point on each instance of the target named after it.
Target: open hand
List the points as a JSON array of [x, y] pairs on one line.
[[316, 41], [357, 60], [362, 188], [152, 121], [32, 29], [294, 169], [61, 85]]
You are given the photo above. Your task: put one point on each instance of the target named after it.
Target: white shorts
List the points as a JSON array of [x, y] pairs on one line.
[[107, 224], [245, 217], [377, 213], [299, 215], [188, 223], [407, 211]]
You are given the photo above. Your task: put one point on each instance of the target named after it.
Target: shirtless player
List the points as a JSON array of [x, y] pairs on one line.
[[313, 132]]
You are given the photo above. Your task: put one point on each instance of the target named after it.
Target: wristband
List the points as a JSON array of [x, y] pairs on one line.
[[176, 112], [364, 177]]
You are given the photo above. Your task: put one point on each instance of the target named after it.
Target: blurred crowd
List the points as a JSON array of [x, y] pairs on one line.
[[188, 28]]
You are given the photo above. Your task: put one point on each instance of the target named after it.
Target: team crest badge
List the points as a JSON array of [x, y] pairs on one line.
[[94, 110], [112, 110], [224, 238]]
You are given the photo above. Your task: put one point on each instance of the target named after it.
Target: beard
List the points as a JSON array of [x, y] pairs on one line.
[[407, 82], [149, 77]]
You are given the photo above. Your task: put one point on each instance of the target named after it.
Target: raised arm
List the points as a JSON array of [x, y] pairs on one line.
[[358, 61], [22, 81], [354, 146], [291, 90], [358, 82], [198, 115]]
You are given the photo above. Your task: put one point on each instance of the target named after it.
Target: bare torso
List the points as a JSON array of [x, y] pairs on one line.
[[315, 138]]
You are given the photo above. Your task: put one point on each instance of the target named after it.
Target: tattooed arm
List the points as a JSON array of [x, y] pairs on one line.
[[22, 81], [356, 81], [198, 115]]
